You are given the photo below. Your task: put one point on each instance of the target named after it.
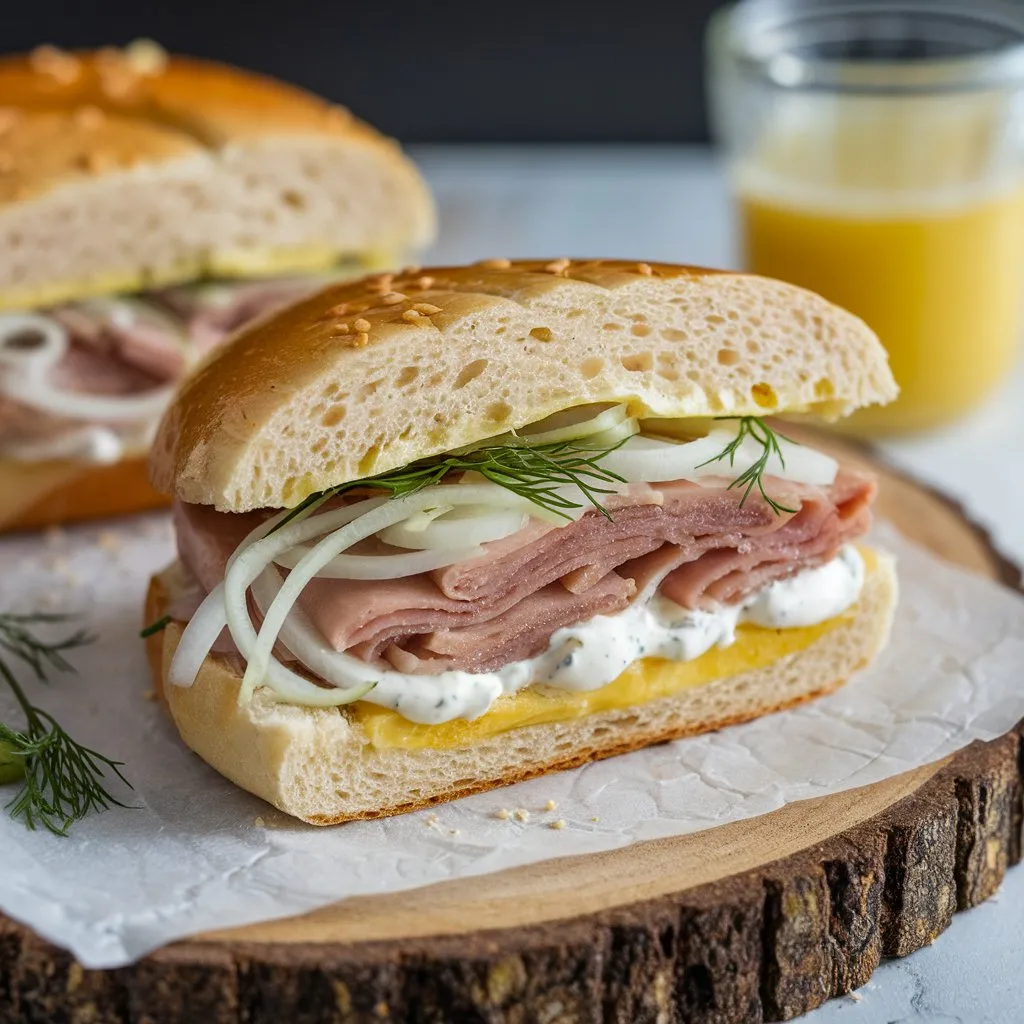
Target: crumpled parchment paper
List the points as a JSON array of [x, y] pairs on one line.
[[195, 853]]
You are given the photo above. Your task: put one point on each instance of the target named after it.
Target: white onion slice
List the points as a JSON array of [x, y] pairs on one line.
[[381, 567], [80, 406], [650, 460], [210, 618], [126, 311], [460, 527], [94, 444], [198, 638], [308, 645], [30, 344], [572, 424], [612, 436], [249, 565]]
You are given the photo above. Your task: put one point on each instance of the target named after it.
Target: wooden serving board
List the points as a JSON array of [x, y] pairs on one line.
[[758, 920]]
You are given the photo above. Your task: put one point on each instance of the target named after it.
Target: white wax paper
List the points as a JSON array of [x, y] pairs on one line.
[[195, 853]]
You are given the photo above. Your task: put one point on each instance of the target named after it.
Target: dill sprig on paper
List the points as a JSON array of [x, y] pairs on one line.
[[61, 779]]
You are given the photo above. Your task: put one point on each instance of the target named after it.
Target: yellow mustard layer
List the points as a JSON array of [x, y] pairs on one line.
[[645, 680], [238, 263]]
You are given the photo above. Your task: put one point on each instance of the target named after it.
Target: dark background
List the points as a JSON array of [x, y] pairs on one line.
[[458, 71]]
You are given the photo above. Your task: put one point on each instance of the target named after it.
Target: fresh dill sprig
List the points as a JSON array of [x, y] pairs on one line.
[[757, 430], [156, 627], [62, 780], [532, 471]]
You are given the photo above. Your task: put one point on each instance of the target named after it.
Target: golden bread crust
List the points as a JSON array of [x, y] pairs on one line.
[[34, 495], [368, 376]]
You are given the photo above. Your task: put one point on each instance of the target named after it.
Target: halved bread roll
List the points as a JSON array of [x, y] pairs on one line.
[[512, 643], [127, 169], [127, 176]]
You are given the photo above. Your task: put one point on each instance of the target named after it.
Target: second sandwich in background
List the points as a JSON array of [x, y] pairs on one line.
[[149, 207]]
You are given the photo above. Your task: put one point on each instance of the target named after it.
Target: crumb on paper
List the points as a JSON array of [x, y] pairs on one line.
[[521, 814], [150, 695], [503, 814], [550, 805], [54, 535], [455, 832], [559, 824], [595, 818], [855, 996], [109, 541], [259, 822]]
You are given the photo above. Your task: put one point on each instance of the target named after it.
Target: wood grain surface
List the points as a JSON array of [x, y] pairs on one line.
[[758, 920]]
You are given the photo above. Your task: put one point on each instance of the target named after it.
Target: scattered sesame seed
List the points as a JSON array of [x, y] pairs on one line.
[[550, 805], [59, 64], [150, 695], [504, 814], [392, 298], [413, 268], [425, 282], [341, 329], [855, 996], [145, 57], [412, 316], [496, 264], [339, 115], [258, 822], [521, 814], [558, 266], [560, 824], [431, 819], [381, 283], [455, 832], [426, 308], [361, 340], [645, 269], [362, 324], [340, 309], [541, 333], [117, 75]]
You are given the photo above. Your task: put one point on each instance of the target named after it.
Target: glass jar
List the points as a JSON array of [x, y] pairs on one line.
[[875, 153]]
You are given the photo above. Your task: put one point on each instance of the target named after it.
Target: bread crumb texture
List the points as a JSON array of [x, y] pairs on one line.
[[127, 168], [292, 406]]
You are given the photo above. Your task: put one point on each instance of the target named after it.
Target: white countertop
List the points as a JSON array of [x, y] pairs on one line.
[[670, 203]]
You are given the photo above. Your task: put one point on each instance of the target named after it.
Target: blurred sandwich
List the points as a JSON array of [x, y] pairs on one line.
[[439, 532], [150, 206]]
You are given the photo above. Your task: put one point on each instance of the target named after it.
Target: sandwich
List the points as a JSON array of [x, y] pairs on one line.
[[439, 532], [150, 206]]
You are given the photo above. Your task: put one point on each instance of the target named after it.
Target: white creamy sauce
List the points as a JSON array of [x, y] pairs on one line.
[[594, 653]]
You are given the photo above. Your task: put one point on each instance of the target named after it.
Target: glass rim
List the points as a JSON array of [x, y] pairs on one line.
[[749, 26]]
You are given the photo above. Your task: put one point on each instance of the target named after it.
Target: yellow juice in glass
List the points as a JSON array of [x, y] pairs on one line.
[[894, 217]]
